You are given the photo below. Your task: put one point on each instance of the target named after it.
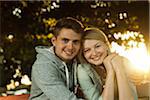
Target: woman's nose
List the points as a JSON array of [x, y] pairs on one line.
[[94, 53]]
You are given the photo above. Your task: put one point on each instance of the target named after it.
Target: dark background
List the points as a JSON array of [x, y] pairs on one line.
[[26, 28]]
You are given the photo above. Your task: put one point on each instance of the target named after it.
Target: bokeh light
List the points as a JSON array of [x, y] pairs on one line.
[[135, 51]]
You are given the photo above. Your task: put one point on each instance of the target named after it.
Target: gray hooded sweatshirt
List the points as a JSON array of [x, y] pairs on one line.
[[51, 79]]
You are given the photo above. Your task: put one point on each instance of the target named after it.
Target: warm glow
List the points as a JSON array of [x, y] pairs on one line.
[[137, 55], [25, 80], [135, 51]]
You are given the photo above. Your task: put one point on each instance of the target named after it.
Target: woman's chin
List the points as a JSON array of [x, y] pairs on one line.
[[97, 63]]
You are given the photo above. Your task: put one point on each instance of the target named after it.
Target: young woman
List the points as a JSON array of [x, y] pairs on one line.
[[102, 74]]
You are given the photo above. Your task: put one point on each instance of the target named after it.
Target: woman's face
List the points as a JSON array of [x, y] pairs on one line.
[[94, 51]]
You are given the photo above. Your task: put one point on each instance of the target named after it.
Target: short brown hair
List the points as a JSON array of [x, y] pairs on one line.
[[69, 23]]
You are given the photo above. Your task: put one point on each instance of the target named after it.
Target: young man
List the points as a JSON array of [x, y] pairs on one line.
[[54, 71]]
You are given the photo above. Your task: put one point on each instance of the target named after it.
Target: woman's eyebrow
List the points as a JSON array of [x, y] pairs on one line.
[[98, 43]]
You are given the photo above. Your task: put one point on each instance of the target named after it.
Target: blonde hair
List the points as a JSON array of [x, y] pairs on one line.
[[95, 34]]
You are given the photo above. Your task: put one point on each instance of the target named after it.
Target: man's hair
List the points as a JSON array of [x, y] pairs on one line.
[[69, 23]]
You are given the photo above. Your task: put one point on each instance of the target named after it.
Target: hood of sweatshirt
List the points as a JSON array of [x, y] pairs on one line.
[[46, 54]]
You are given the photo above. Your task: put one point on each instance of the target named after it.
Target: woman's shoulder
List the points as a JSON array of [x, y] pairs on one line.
[[84, 66], [85, 70]]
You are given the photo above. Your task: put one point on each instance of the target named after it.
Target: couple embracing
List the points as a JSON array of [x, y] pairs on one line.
[[80, 59]]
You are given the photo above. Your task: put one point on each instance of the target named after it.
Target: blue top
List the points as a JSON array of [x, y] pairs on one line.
[[50, 77], [91, 83]]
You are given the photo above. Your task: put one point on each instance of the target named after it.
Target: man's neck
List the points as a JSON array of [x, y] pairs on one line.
[[69, 65]]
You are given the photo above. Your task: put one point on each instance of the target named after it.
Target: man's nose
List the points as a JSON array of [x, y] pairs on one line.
[[70, 45]]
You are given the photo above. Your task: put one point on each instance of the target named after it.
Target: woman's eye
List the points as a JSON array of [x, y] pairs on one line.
[[97, 46]]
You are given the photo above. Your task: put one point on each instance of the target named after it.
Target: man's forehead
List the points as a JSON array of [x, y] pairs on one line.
[[69, 38], [68, 31]]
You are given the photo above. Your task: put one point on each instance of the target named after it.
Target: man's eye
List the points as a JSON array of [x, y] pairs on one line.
[[65, 40], [76, 42]]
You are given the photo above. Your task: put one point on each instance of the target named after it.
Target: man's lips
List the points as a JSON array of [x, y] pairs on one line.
[[69, 53]]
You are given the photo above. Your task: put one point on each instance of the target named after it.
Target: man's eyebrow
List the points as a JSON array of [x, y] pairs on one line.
[[77, 40], [65, 38]]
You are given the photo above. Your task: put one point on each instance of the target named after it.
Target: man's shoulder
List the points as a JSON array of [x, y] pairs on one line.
[[48, 59], [44, 53]]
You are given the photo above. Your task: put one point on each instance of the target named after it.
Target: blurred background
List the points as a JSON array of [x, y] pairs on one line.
[[25, 24]]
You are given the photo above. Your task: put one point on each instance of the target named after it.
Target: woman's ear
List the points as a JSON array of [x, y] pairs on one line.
[[53, 40]]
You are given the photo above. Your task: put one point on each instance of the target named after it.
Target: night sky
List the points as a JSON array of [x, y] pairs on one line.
[[10, 23]]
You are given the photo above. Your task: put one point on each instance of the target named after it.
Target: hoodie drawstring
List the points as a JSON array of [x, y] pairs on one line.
[[67, 75]]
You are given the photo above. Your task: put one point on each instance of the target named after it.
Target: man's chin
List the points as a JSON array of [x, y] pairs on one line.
[[68, 58]]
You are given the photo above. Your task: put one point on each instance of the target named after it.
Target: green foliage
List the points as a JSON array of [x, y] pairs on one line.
[[35, 25]]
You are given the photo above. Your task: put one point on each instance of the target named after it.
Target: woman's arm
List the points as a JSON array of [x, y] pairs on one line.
[[124, 88], [108, 92]]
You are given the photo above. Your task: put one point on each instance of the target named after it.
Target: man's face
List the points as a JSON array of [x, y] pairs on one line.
[[67, 44]]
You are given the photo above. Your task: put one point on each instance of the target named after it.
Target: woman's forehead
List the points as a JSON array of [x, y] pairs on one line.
[[89, 42]]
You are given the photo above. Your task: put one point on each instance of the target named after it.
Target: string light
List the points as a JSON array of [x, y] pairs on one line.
[[17, 12], [98, 4], [125, 15], [106, 20], [122, 15], [10, 36]]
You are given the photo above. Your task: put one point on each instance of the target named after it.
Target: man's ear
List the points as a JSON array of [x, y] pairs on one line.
[[53, 40]]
